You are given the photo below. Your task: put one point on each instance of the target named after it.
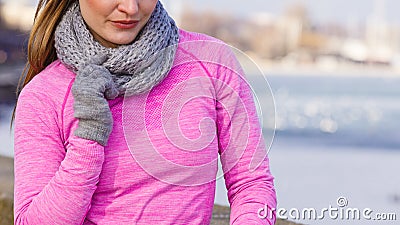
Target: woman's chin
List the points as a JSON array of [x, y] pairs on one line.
[[121, 41]]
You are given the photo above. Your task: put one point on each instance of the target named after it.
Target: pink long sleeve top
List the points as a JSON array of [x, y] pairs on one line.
[[161, 160]]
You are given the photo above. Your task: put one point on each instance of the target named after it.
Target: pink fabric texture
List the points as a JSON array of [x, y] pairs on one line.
[[160, 164]]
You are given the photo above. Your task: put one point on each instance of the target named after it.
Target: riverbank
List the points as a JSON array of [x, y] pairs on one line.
[[6, 190], [6, 176], [220, 213]]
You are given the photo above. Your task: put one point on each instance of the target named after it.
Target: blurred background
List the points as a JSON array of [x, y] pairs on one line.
[[334, 70]]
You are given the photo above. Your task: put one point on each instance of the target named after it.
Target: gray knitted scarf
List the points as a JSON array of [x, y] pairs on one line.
[[137, 67]]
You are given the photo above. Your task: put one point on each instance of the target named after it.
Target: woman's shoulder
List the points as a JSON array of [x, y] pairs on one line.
[[188, 36], [205, 44], [50, 84], [54, 76], [205, 48], [55, 73]]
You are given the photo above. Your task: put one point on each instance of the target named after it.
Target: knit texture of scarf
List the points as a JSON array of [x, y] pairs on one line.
[[136, 67]]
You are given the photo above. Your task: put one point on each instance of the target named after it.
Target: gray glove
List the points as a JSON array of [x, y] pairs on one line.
[[93, 84]]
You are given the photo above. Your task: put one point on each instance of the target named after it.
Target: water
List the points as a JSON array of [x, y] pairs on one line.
[[340, 111], [336, 136]]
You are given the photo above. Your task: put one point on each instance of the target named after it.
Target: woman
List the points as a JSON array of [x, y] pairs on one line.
[[121, 118]]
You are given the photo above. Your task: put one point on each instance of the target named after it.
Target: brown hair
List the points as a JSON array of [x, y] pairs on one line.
[[41, 50]]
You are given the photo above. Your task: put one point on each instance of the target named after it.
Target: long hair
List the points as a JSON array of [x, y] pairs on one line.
[[41, 50]]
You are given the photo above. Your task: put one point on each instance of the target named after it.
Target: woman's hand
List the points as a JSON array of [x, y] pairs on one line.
[[92, 85]]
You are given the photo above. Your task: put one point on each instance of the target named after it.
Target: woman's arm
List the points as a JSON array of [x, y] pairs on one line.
[[53, 184], [242, 146]]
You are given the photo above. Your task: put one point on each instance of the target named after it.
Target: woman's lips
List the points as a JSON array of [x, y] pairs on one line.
[[125, 24]]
